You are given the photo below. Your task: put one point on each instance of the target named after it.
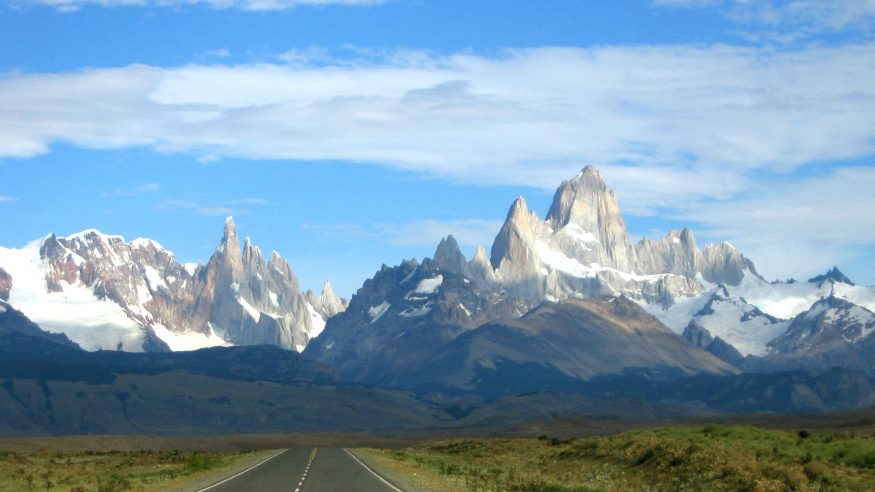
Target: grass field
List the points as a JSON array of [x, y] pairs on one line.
[[712, 457], [106, 471]]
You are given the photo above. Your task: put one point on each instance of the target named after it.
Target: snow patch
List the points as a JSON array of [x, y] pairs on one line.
[[429, 285], [558, 261], [188, 340], [154, 278], [467, 313], [317, 323], [253, 313], [377, 312], [93, 323], [577, 233], [415, 312], [190, 268], [273, 298], [81, 236], [142, 242]]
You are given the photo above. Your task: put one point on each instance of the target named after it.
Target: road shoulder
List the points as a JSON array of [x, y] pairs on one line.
[[211, 477], [404, 475]]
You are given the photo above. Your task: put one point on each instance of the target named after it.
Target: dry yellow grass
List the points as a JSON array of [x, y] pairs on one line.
[[106, 471], [676, 458]]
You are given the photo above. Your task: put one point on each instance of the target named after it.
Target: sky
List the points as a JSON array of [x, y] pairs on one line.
[[345, 134]]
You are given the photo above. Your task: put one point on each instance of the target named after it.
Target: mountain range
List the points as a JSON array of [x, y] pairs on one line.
[[105, 293], [571, 297], [566, 304]]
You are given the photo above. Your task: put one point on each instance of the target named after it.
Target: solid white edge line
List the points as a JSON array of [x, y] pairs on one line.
[[232, 477], [368, 468]]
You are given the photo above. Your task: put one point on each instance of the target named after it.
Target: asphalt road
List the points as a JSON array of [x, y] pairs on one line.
[[304, 470]]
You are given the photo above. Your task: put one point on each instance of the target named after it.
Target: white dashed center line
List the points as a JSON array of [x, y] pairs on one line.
[[307, 469]]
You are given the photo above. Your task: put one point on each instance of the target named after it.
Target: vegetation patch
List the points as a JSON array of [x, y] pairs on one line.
[[106, 471], [673, 458]]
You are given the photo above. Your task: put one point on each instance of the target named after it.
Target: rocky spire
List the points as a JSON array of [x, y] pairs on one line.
[[510, 243], [230, 245], [331, 302], [279, 266], [449, 257], [586, 202], [676, 253], [480, 267]]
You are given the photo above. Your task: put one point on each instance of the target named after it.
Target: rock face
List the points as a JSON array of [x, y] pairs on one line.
[[702, 338], [328, 303], [398, 318], [583, 249], [678, 254], [5, 284], [253, 302], [109, 294], [586, 204]]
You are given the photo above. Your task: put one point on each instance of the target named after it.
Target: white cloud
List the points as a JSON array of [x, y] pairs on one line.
[[707, 115], [7, 198], [256, 5], [680, 129], [796, 227]]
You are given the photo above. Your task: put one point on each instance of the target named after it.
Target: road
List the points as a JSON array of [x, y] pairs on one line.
[[305, 470]]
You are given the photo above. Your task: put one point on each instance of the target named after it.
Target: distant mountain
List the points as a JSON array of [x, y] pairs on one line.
[[107, 294], [559, 346], [751, 315], [582, 250], [834, 275], [833, 333], [400, 317], [48, 386], [736, 322]]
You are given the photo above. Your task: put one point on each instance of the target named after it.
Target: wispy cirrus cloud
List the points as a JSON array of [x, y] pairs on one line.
[[240, 206], [7, 199], [254, 5], [132, 192], [790, 20], [427, 233]]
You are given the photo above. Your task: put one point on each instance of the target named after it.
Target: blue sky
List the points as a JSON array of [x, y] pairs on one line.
[[349, 133]]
